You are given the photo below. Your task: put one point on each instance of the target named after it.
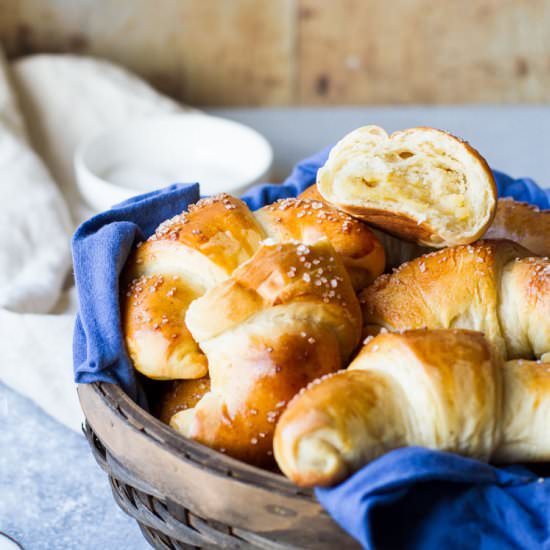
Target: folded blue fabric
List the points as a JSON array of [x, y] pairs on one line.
[[410, 498], [415, 498], [100, 248], [523, 190]]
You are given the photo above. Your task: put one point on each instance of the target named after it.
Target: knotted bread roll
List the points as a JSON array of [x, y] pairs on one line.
[[198, 249], [284, 318], [441, 389], [421, 184], [490, 286]]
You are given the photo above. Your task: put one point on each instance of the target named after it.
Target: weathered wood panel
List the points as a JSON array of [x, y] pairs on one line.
[[424, 51], [276, 52], [201, 51], [238, 52]]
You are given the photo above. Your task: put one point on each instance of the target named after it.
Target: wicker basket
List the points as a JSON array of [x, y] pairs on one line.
[[185, 495]]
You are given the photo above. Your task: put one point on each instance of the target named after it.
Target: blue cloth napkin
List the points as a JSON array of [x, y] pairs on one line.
[[414, 498], [100, 248], [409, 498]]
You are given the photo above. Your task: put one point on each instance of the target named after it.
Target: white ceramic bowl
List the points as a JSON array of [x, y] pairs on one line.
[[151, 153]]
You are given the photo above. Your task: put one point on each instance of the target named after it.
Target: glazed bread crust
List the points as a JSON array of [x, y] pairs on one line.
[[199, 249], [421, 184], [186, 255], [308, 221], [157, 339], [490, 286], [284, 318], [436, 389]]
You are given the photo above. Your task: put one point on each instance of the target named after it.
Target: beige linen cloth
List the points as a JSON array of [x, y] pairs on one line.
[[48, 105]]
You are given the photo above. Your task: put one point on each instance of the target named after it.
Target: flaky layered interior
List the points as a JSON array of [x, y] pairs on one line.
[[424, 174]]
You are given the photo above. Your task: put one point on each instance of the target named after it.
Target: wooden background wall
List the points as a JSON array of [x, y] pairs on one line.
[[279, 52]]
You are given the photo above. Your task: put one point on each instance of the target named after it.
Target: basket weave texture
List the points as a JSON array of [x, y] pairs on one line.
[[165, 526], [295, 523]]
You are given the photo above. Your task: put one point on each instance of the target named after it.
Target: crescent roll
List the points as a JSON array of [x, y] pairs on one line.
[[440, 389], [436, 389], [284, 318], [186, 255], [421, 184], [490, 286]]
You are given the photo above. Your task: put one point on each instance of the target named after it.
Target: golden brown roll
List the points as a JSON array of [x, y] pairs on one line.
[[157, 339], [308, 221], [187, 255], [436, 389], [203, 246], [284, 318], [421, 184], [522, 223], [490, 286]]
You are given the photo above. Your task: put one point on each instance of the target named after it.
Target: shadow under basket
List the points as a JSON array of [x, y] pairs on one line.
[[186, 495]]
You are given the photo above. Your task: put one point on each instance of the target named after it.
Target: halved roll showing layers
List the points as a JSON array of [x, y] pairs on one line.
[[419, 184]]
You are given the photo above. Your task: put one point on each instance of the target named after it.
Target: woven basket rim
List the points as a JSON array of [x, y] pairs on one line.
[[196, 487], [202, 456]]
